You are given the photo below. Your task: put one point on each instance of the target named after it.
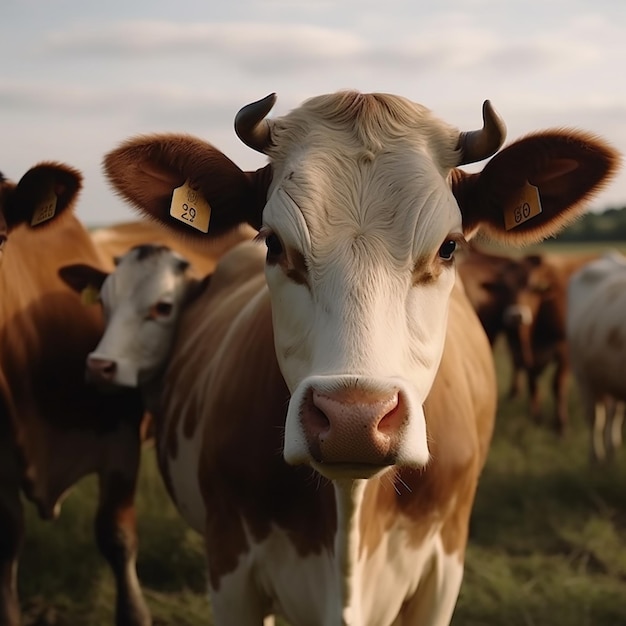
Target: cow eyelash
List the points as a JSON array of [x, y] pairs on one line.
[[459, 243], [274, 245]]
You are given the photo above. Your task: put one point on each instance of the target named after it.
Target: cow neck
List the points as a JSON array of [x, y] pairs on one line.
[[151, 393]]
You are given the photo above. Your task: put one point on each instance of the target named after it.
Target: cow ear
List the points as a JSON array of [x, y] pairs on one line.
[[147, 170], [83, 279], [42, 194], [535, 187]]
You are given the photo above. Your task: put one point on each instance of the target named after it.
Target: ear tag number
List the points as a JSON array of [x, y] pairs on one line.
[[45, 210], [89, 295], [527, 206], [190, 207]]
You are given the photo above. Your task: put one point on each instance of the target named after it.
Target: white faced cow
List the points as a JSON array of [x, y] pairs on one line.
[[596, 332], [142, 301], [328, 405]]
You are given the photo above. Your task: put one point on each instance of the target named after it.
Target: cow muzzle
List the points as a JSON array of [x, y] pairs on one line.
[[108, 372], [518, 315], [351, 429]]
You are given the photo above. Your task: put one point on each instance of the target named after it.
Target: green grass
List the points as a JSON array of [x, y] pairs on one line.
[[547, 540]]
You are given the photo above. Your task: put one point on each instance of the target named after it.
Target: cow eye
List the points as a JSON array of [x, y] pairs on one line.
[[446, 251], [162, 309], [274, 247]]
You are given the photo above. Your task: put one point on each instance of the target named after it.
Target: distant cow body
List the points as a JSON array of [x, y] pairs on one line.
[[525, 300], [596, 330], [116, 240], [537, 334], [329, 402], [54, 429], [491, 282]]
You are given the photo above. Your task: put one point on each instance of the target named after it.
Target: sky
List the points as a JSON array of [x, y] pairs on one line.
[[77, 77]]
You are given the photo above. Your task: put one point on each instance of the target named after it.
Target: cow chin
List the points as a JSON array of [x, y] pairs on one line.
[[354, 427]]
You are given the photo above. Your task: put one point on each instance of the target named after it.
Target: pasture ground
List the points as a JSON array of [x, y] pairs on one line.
[[547, 539]]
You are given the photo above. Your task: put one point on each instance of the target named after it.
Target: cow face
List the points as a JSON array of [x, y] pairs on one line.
[[141, 300], [359, 286], [361, 210], [42, 194]]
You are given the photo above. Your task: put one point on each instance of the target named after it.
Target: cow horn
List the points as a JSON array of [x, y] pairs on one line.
[[477, 145], [252, 127]]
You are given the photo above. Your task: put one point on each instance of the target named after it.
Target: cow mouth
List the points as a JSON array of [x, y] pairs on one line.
[[352, 471]]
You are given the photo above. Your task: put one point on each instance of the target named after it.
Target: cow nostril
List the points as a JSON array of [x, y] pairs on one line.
[[316, 419], [392, 420], [102, 368], [109, 368]]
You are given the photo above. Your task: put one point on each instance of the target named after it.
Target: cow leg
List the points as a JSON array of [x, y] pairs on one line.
[[515, 387], [535, 400], [559, 392], [434, 602], [115, 528], [613, 427], [227, 605], [617, 422], [598, 412], [11, 536]]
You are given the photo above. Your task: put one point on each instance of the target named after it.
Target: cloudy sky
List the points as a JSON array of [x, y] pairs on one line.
[[77, 76]]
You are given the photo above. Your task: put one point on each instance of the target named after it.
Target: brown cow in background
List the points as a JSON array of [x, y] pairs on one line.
[[536, 330], [525, 300], [114, 241], [54, 429]]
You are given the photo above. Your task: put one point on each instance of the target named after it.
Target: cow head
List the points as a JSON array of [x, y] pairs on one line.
[[362, 208], [142, 300], [43, 193]]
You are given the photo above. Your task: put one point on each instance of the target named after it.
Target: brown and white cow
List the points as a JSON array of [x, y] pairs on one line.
[[524, 299], [55, 429], [596, 331], [142, 301], [535, 329], [329, 403]]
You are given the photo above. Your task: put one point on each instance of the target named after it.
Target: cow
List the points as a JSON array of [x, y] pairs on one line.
[[329, 401], [54, 428], [535, 329], [523, 299], [596, 332], [491, 282], [142, 299]]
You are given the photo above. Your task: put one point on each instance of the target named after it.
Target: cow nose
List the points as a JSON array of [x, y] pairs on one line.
[[101, 370], [353, 426], [517, 315]]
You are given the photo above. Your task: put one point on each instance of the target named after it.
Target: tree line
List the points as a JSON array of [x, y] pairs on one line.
[[609, 225]]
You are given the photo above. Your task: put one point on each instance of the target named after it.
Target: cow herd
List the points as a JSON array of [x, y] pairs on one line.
[[314, 365]]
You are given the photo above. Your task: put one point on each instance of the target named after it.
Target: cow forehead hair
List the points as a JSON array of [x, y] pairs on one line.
[[370, 122], [143, 269]]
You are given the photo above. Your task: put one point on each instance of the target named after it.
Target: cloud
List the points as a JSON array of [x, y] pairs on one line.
[[446, 41], [231, 39]]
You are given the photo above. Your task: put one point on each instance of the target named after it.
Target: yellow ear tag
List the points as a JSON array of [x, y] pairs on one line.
[[45, 210], [190, 207], [89, 295], [526, 206]]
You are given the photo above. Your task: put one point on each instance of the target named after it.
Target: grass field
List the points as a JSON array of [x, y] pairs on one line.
[[547, 540]]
